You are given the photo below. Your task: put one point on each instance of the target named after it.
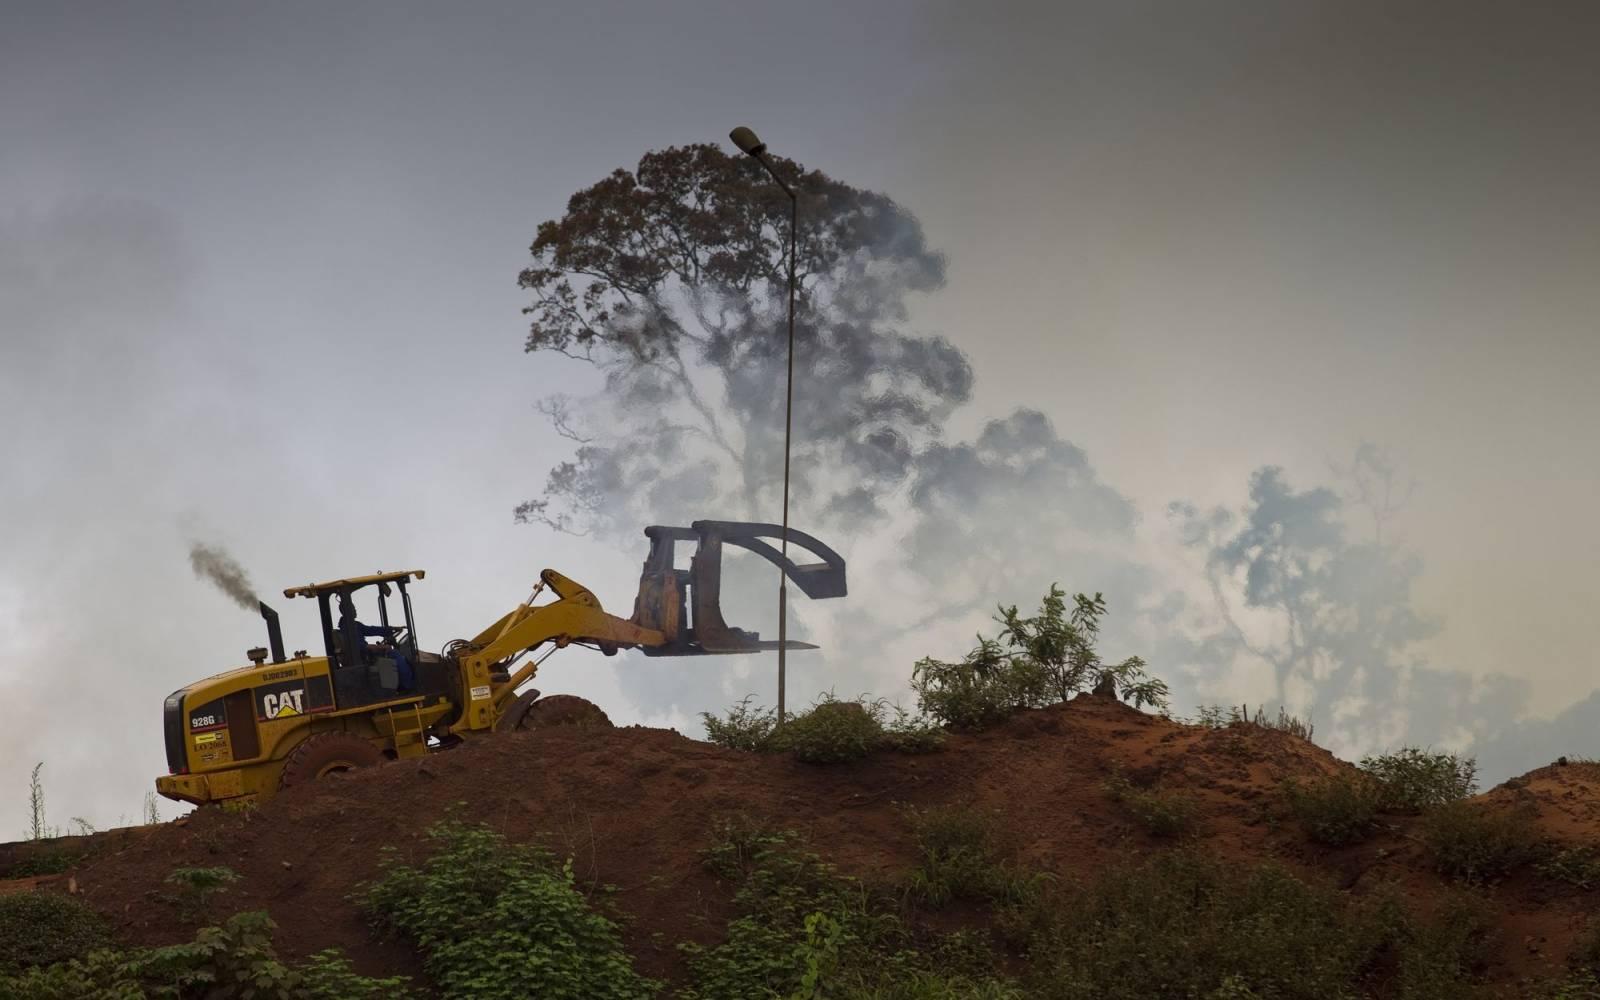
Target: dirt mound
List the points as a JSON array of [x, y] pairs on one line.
[[635, 808]]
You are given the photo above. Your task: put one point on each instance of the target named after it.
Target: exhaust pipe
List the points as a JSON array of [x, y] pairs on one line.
[[274, 632]]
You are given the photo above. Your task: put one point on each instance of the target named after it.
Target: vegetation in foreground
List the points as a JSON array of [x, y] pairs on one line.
[[494, 919]]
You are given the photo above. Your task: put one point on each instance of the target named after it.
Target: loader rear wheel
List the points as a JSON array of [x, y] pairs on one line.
[[563, 710], [325, 753]]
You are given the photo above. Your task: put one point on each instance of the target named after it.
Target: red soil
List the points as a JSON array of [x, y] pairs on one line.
[[635, 807]]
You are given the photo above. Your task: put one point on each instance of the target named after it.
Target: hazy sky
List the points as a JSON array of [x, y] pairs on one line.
[[258, 286]]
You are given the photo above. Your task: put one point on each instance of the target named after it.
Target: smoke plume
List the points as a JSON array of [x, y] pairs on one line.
[[213, 564]]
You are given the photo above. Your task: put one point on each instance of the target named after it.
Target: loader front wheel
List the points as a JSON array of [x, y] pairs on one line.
[[325, 753], [563, 710]]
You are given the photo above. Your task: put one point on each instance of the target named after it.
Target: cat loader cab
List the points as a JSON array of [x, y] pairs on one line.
[[371, 658]]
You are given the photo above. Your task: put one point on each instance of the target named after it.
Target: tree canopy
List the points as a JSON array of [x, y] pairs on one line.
[[671, 281]]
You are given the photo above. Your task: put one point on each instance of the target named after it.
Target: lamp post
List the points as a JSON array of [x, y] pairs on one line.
[[746, 141]]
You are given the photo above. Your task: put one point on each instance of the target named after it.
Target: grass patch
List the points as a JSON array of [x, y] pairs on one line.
[[1467, 841], [962, 858], [499, 920], [1222, 717], [1335, 810], [44, 863], [1162, 812]]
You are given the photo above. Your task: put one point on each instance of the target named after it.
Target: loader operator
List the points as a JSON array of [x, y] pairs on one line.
[[353, 632]]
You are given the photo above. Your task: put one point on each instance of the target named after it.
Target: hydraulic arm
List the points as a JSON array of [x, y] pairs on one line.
[[659, 624]]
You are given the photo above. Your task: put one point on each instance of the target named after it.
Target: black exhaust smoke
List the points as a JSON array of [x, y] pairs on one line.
[[274, 632]]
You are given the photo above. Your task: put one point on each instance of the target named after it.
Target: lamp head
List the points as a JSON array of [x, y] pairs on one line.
[[746, 140]]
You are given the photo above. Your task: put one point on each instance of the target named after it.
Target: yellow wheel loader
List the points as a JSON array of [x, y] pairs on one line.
[[239, 736]]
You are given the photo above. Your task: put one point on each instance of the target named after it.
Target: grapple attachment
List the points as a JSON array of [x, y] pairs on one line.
[[685, 604]]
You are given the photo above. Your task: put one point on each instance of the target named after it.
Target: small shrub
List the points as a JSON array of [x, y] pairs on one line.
[[1040, 660], [743, 728], [1336, 810], [42, 928], [962, 859], [499, 920], [1469, 842], [778, 886], [1413, 779], [197, 885], [907, 733], [831, 732], [800, 929], [1163, 813], [980, 691], [1578, 866]]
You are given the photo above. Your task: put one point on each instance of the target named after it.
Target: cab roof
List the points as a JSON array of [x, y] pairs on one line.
[[313, 589]]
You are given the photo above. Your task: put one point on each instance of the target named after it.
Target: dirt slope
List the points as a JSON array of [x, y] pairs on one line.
[[634, 807]]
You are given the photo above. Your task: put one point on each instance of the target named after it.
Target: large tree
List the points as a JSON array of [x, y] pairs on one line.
[[670, 280]]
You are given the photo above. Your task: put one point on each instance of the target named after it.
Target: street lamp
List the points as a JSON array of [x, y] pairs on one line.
[[746, 140]]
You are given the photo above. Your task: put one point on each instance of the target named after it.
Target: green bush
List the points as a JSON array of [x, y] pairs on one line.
[[235, 960], [1470, 842], [1335, 810], [197, 885], [907, 733], [1162, 812], [743, 728], [767, 952], [1036, 661], [1413, 779], [831, 732], [801, 930], [1182, 924], [42, 928], [984, 689], [1577, 866], [498, 920], [961, 858]]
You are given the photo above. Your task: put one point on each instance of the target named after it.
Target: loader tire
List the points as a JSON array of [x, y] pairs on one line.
[[324, 753], [563, 710], [511, 719]]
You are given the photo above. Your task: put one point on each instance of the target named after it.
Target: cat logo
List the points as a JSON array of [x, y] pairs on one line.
[[283, 704]]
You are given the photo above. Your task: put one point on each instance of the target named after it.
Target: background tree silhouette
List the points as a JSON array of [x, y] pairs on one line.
[[670, 281]]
